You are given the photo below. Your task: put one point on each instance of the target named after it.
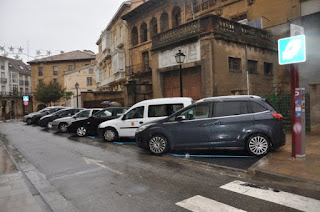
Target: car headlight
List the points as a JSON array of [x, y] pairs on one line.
[[69, 123], [143, 127]]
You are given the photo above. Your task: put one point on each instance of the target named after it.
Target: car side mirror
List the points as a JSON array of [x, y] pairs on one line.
[[181, 118]]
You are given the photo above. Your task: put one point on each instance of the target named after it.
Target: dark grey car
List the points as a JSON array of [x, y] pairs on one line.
[[229, 122]]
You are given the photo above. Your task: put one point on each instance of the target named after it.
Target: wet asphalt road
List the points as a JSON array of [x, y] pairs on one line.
[[97, 176]]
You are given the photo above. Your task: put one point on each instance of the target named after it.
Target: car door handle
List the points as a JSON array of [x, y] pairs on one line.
[[141, 122]]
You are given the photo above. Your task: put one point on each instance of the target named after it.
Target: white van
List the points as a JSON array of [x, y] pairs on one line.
[[141, 113]]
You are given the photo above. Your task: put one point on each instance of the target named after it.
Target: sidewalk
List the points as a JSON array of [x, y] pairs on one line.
[[279, 164], [14, 194]]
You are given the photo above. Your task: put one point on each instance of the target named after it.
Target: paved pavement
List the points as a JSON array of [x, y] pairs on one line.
[[14, 194], [276, 166]]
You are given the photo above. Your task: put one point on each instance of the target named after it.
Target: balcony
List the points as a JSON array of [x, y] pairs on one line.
[[3, 80], [221, 28], [138, 69], [26, 83], [107, 81], [120, 76], [119, 42], [21, 82]]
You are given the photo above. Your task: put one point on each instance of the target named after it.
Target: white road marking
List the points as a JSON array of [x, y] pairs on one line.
[[98, 163], [201, 204], [76, 174], [279, 197]]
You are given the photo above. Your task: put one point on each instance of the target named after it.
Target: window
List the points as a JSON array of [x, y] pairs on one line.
[[252, 67], [163, 110], [41, 82], [256, 107], [145, 58], [70, 67], [90, 70], [153, 27], [197, 112], [134, 38], [103, 113], [55, 81], [40, 73], [2, 65], [144, 32], [55, 70], [230, 108], [135, 113], [83, 114], [176, 17], [268, 68], [164, 22], [89, 81], [234, 64]]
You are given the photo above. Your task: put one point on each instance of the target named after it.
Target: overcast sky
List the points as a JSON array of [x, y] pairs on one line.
[[55, 25]]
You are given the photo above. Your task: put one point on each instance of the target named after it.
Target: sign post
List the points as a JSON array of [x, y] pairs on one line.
[[292, 50]]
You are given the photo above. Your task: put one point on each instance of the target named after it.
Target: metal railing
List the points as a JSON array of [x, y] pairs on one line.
[[3, 80]]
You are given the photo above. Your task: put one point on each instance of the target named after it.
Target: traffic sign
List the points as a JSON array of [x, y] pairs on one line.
[[292, 50], [25, 103], [25, 98]]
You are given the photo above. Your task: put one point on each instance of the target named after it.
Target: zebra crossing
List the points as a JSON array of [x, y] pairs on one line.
[[202, 204]]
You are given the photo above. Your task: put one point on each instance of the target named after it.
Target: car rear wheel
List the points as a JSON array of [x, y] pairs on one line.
[[158, 145], [49, 124], [63, 127], [29, 121], [82, 131], [110, 135], [258, 145]]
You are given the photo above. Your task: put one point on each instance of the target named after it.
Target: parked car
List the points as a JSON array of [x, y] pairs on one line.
[[229, 122], [141, 113], [46, 121], [33, 118], [61, 124], [89, 125]]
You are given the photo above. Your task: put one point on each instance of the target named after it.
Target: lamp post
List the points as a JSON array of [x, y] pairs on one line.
[[77, 87], [180, 59]]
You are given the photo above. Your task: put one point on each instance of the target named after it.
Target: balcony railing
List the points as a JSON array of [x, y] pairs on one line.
[[108, 80], [14, 94], [180, 33], [220, 27], [138, 69], [3, 80], [120, 76]]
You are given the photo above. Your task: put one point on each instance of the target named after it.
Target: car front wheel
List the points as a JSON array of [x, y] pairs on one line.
[[110, 135], [158, 145], [63, 127], [29, 121], [258, 145], [82, 131]]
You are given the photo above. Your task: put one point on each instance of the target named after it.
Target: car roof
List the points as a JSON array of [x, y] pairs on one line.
[[230, 97], [164, 100]]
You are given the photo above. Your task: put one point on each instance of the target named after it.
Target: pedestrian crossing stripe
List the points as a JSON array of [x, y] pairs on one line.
[[279, 197], [202, 204], [199, 203]]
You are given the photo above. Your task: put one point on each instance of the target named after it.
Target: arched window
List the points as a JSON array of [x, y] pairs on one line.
[[164, 22], [134, 36], [153, 27], [176, 17], [144, 32]]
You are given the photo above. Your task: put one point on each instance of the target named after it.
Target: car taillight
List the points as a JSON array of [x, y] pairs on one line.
[[277, 116]]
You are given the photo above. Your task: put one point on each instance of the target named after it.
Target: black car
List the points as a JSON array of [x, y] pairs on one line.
[[87, 126], [34, 118], [230, 122], [46, 121]]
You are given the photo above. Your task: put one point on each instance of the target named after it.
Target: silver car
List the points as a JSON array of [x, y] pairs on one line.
[[63, 123]]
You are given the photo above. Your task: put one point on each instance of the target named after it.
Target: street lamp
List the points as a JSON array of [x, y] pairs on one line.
[[77, 87], [180, 59]]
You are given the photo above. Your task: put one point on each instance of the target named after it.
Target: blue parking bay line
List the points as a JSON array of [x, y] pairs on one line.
[[124, 143], [210, 156], [92, 136]]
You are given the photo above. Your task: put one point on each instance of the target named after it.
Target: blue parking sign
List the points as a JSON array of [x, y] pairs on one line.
[[292, 50]]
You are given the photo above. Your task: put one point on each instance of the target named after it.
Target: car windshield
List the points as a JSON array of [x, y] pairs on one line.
[[83, 114], [103, 113]]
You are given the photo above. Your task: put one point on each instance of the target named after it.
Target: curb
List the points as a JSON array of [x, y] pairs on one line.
[[50, 198]]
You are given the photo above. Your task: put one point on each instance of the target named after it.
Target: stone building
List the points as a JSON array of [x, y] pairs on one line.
[[15, 82], [52, 68], [85, 78], [219, 52]]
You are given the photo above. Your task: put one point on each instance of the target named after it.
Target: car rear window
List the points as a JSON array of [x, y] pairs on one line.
[[256, 107], [230, 108], [163, 110]]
